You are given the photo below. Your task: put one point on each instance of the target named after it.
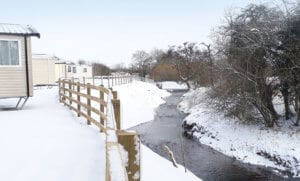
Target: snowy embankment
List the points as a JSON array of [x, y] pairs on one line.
[[171, 85], [45, 141], [138, 103], [278, 148]]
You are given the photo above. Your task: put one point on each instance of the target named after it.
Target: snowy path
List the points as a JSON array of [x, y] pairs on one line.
[[45, 141]]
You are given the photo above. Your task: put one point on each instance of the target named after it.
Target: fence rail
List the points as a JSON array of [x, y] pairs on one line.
[[106, 81], [101, 107]]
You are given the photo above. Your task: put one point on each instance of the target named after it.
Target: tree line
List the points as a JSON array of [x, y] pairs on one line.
[[254, 61]]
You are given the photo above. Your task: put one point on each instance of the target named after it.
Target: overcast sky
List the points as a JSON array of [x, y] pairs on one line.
[[109, 31]]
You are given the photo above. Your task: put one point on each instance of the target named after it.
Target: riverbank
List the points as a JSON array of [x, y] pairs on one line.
[[139, 101], [277, 148]]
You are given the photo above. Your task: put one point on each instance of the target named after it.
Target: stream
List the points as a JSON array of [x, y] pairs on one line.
[[203, 161]]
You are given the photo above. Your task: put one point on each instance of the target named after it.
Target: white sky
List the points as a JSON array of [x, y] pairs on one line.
[[109, 31]]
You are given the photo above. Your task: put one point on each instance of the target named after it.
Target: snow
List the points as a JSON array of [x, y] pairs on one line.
[[171, 85], [138, 102], [117, 170], [46, 141], [156, 167], [143, 99], [238, 140]]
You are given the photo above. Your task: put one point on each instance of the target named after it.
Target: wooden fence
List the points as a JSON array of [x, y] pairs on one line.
[[106, 81], [101, 107]]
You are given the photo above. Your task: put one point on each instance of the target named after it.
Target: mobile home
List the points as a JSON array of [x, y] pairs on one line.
[[79, 71], [43, 69], [60, 69], [15, 60]]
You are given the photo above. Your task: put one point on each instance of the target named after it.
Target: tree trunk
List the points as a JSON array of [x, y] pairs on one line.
[[265, 104], [297, 108], [188, 85], [267, 101], [286, 98], [269, 122]]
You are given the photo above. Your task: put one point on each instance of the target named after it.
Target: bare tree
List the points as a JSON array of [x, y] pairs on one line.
[[209, 55], [120, 67], [100, 69], [247, 74], [287, 62], [184, 59], [142, 62], [82, 62]]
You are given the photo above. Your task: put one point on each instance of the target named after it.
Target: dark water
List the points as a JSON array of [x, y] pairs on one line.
[[203, 161]]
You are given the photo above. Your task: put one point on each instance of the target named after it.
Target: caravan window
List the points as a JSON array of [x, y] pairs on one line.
[[69, 69], [74, 70], [84, 70], [10, 53]]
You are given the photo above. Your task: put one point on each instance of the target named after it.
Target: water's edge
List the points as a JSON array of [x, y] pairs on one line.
[[202, 160]]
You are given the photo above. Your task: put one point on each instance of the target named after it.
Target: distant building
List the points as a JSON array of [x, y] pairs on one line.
[[43, 69], [79, 71], [48, 69], [60, 69], [15, 60]]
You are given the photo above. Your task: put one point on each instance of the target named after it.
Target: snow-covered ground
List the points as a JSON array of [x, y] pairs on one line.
[[46, 141], [158, 168], [138, 103], [278, 147], [171, 85]]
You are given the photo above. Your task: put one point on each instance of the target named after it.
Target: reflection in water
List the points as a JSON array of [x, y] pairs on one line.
[[203, 161]]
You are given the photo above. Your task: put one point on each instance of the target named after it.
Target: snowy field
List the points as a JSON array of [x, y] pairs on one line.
[[46, 141], [143, 98], [278, 147]]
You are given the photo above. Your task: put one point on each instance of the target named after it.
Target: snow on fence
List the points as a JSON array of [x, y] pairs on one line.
[[106, 81], [101, 107]]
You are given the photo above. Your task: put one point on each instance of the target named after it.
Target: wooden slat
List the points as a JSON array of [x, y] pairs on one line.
[[98, 124], [100, 88], [102, 115], [96, 99]]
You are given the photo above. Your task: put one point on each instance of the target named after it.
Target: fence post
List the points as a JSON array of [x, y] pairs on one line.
[[72, 83], [108, 81], [93, 80], [131, 143], [70, 93], [64, 90], [101, 106], [83, 79], [117, 109], [89, 102], [102, 81], [78, 99], [115, 94], [59, 90]]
